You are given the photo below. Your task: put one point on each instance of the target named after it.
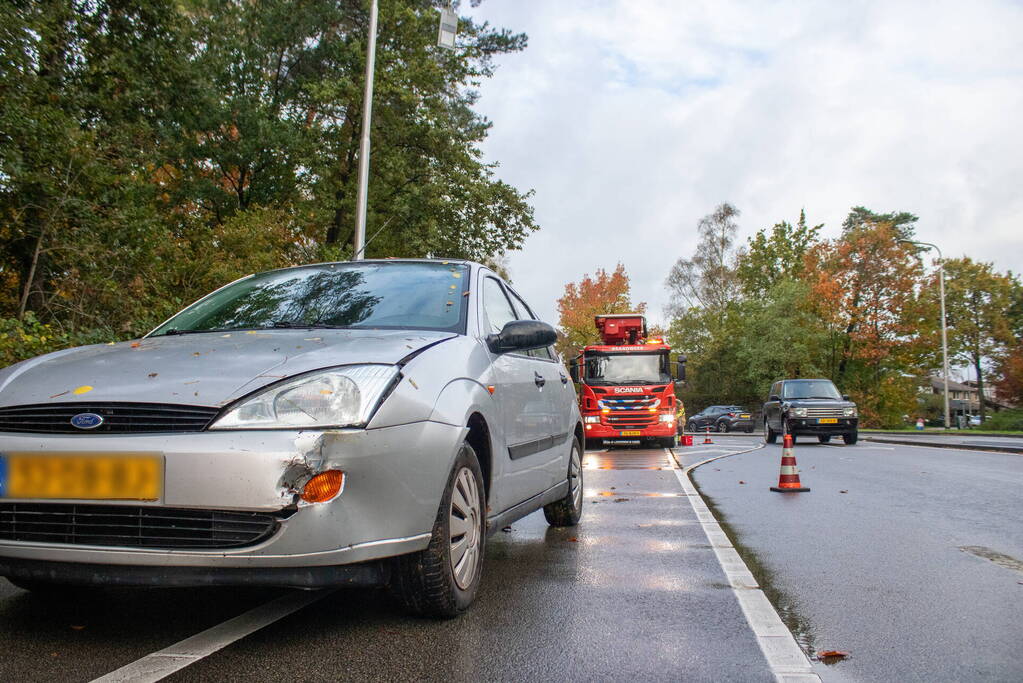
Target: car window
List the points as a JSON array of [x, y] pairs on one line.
[[524, 310], [776, 389], [497, 309], [811, 388]]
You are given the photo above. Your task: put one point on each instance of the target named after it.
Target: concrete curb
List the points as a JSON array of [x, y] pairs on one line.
[[954, 446]]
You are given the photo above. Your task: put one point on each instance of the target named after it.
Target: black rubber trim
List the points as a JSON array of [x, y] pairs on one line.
[[527, 507], [75, 573], [531, 447]]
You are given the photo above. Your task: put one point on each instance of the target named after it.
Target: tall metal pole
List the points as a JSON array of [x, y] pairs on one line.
[[367, 117], [944, 324], [944, 333]]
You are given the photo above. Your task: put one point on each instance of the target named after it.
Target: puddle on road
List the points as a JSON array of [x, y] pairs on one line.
[[998, 558]]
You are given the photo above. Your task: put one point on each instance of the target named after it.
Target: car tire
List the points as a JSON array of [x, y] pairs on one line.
[[824, 438], [770, 436], [432, 582], [691, 427], [851, 438], [569, 510], [723, 427]]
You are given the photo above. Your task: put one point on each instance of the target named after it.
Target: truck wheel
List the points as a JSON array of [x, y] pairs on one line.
[[851, 437], [568, 510], [770, 436], [824, 438], [442, 580]]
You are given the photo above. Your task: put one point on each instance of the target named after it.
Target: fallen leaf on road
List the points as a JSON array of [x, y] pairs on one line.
[[843, 491], [832, 654], [621, 500], [135, 345], [153, 374], [573, 540], [741, 481]]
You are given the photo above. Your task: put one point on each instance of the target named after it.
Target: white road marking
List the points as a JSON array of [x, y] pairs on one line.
[[158, 665], [783, 655]]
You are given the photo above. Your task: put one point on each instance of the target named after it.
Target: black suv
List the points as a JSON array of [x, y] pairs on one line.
[[809, 406], [721, 419]]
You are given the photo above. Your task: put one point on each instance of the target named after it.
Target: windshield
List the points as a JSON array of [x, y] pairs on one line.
[[647, 368], [399, 295], [811, 388]]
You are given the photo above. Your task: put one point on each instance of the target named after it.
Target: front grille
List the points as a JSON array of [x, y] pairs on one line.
[[126, 526], [824, 412], [632, 402], [118, 418], [632, 420]]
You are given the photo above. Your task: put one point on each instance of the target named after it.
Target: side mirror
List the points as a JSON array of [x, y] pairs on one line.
[[522, 335], [680, 372], [774, 397], [573, 370], [845, 397]]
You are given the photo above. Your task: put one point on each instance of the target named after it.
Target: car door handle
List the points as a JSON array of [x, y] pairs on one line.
[[538, 379], [564, 380]]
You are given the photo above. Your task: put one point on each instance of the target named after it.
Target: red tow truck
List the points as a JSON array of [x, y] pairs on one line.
[[627, 390]]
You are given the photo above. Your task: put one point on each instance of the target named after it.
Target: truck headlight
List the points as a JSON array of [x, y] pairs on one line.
[[850, 411], [667, 417], [591, 419], [799, 412], [338, 397]]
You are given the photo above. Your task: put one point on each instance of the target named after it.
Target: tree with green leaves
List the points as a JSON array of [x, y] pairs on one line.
[[771, 257]]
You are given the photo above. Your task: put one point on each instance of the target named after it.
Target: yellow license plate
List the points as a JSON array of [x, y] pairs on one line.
[[744, 416], [827, 421], [631, 433], [81, 477]]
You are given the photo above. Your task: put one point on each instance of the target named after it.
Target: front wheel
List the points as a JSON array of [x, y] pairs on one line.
[[824, 438], [690, 426], [851, 438], [442, 580], [723, 427], [770, 436], [568, 510]]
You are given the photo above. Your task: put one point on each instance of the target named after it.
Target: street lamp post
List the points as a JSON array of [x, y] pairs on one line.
[[944, 326], [367, 115]]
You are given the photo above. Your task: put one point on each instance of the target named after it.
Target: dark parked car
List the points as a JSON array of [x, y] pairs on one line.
[[722, 419], [812, 407]]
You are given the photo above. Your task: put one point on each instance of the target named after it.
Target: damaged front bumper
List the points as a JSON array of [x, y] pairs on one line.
[[394, 481]]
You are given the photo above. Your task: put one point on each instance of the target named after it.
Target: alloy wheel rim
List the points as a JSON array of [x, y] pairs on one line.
[[575, 478], [465, 519]]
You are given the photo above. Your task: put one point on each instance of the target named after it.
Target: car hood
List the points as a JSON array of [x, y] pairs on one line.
[[210, 369], [818, 402]]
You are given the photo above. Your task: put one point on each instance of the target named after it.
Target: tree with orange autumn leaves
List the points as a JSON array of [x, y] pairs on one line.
[[602, 293]]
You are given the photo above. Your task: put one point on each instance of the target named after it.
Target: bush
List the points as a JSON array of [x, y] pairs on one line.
[[27, 338], [1005, 421]]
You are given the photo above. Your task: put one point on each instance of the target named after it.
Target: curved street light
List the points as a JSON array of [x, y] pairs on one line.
[[944, 333]]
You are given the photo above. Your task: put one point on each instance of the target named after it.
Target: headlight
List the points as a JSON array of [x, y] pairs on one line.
[[339, 397], [799, 412], [850, 411], [591, 419], [667, 417]]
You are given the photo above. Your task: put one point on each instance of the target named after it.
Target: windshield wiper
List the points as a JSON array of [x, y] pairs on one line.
[[173, 331], [297, 325]]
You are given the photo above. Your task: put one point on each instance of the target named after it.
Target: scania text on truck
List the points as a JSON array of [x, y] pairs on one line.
[[627, 392]]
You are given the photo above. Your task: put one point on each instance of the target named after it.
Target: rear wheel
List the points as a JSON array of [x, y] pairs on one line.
[[824, 438], [770, 436], [851, 437], [442, 580], [568, 510]]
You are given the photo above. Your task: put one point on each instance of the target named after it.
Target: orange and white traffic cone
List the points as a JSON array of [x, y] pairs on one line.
[[706, 439], [788, 479]]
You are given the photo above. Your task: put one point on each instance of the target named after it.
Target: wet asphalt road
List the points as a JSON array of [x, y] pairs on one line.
[[633, 592], [908, 558]]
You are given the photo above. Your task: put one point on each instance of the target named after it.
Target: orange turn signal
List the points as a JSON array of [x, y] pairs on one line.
[[323, 486]]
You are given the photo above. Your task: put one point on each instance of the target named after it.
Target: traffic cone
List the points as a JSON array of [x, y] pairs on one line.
[[788, 479], [706, 439]]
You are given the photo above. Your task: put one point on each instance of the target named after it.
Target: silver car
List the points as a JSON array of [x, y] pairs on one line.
[[344, 423]]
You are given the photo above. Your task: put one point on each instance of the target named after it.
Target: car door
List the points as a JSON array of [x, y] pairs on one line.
[[524, 407], [559, 392], [772, 409]]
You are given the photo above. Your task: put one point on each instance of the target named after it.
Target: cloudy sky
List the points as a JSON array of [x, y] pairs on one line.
[[633, 118]]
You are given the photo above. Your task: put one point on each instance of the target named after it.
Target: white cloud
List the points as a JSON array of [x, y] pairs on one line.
[[634, 118]]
